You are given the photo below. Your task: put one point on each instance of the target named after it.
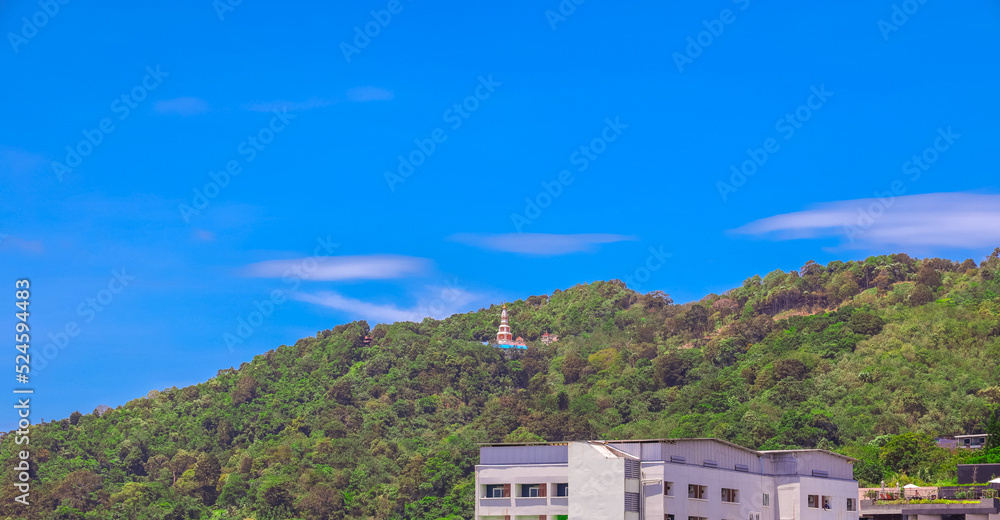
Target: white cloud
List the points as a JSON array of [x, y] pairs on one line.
[[539, 243], [30, 246], [202, 235], [960, 220], [337, 268], [185, 106], [357, 95], [291, 106], [434, 302], [362, 94]]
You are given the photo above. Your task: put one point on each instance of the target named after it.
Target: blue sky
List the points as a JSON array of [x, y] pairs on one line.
[[168, 171]]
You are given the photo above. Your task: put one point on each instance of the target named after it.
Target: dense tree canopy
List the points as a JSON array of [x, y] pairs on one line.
[[872, 358]]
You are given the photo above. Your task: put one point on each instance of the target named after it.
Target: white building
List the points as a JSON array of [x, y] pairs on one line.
[[665, 479]]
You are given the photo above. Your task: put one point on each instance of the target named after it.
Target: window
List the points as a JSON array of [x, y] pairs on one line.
[[696, 491], [730, 495], [767, 500], [826, 502], [494, 491], [697, 518], [531, 490], [668, 489], [852, 505], [631, 502], [562, 490], [668, 517], [814, 501], [711, 464], [632, 469], [742, 467]]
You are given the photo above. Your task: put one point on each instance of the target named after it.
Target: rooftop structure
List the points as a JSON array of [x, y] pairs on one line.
[[670, 479], [973, 441], [548, 339]]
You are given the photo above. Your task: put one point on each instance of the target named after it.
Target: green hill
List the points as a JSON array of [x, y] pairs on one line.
[[868, 358]]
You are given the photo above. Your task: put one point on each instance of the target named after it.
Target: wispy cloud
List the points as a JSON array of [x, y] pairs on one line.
[[19, 161], [12, 242], [363, 94], [356, 95], [291, 106], [539, 243], [202, 235], [339, 268], [185, 106], [434, 302], [961, 220]]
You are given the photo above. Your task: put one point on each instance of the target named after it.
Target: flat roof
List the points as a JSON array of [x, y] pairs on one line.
[[828, 452], [673, 441]]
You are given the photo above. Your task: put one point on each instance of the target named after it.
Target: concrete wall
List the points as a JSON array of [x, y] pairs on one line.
[[793, 498], [596, 483], [751, 489], [550, 474]]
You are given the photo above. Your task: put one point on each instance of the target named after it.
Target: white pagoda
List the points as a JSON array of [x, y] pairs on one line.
[[504, 338]]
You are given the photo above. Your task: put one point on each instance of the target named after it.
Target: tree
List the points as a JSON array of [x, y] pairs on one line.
[[78, 489], [522, 434], [992, 428], [906, 452], [725, 307], [696, 319], [246, 389], [883, 281], [671, 368], [233, 490], [180, 463], [792, 368], [74, 418], [206, 473], [864, 322], [133, 497], [921, 295], [322, 502], [573, 367], [929, 276]]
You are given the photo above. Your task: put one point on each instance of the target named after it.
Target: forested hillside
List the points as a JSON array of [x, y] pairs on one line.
[[869, 358]]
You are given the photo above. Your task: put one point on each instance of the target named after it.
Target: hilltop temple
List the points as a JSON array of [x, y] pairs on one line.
[[504, 338]]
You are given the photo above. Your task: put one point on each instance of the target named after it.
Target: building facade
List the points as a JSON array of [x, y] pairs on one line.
[[666, 479]]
